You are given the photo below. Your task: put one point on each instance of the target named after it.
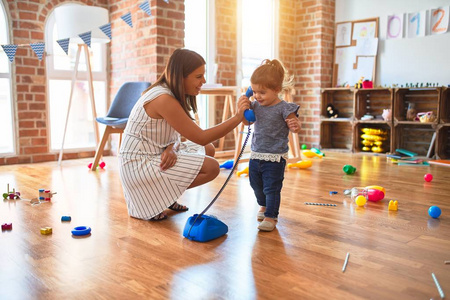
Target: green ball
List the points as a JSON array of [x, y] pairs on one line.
[[303, 147], [5, 195]]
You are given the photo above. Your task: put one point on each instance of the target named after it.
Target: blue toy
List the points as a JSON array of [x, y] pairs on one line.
[[249, 114], [434, 212], [66, 218], [81, 230], [204, 228], [228, 164]]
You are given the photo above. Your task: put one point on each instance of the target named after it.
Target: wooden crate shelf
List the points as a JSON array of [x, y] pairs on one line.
[[445, 106], [424, 100], [413, 137], [372, 102], [336, 136], [443, 141], [341, 99]]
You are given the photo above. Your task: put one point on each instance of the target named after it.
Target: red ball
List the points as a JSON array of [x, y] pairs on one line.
[[428, 177], [102, 164], [90, 165]]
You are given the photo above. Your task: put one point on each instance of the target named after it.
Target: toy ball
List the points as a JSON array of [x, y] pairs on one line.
[[428, 177], [348, 169], [434, 212], [360, 200], [375, 195], [304, 147], [102, 164]]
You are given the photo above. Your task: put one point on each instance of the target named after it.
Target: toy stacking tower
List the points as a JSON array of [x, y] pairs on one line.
[[373, 139]]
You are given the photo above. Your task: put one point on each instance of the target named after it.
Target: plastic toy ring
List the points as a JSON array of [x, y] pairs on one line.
[[81, 230]]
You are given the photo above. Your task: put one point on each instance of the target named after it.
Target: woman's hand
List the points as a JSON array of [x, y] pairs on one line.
[[168, 158], [293, 123]]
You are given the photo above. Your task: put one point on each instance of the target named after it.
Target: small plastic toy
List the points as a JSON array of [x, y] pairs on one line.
[[332, 112], [372, 193], [227, 164], [434, 212], [101, 165], [304, 147], [428, 177], [311, 154], [393, 205], [46, 230], [360, 200], [11, 195], [7, 226], [45, 195], [244, 171], [81, 230], [301, 164], [349, 169], [66, 218], [317, 151], [333, 192]]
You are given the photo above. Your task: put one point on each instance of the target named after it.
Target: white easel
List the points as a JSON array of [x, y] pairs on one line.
[[91, 95]]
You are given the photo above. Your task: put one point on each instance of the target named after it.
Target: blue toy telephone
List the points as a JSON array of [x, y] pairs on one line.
[[249, 114]]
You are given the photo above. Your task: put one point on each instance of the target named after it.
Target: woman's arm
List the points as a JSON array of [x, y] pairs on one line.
[[166, 107]]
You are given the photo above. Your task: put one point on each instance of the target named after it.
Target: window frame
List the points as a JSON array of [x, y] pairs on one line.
[[82, 75], [9, 75]]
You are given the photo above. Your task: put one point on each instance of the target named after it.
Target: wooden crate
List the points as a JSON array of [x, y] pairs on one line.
[[413, 137], [341, 99], [373, 102], [424, 99], [443, 142], [386, 146], [336, 135], [445, 106]]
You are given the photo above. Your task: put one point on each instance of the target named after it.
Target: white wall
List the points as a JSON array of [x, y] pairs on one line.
[[423, 59]]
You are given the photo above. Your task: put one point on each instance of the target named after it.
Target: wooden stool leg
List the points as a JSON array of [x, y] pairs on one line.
[[100, 148]]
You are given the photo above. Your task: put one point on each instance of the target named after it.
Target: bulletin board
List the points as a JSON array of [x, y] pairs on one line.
[[355, 51]]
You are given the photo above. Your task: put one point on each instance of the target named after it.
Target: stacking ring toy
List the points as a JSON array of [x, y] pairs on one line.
[[81, 230]]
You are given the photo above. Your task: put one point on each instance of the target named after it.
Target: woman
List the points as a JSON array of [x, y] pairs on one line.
[[155, 167]]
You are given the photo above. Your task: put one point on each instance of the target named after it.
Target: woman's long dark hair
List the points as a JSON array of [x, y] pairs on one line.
[[181, 63]]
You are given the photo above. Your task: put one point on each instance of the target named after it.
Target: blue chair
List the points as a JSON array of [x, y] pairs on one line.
[[117, 117]]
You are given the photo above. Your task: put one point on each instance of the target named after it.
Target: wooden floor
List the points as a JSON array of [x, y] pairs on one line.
[[392, 254]]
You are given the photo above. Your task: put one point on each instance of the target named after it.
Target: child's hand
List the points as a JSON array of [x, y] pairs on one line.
[[293, 124], [168, 158], [242, 105]]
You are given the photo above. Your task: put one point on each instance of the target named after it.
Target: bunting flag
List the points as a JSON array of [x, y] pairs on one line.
[[127, 19], [146, 7], [38, 48], [64, 44], [106, 30], [86, 37], [10, 51]]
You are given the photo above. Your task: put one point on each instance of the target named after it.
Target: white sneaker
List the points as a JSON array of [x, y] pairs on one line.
[[266, 226]]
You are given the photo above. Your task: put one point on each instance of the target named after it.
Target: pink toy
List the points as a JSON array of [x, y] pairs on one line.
[[375, 195], [7, 226], [428, 177], [101, 165]]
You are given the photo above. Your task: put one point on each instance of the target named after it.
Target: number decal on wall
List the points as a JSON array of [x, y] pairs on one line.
[[439, 20], [395, 27], [416, 18]]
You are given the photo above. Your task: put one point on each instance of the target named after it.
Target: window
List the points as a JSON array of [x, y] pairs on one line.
[[6, 106], [257, 35], [80, 132], [200, 37]]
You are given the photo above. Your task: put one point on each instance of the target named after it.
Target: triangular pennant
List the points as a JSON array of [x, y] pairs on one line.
[[127, 19], [10, 51], [146, 7], [38, 48], [106, 29], [64, 44], [86, 37]]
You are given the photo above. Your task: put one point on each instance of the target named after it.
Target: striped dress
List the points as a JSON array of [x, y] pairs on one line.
[[149, 191]]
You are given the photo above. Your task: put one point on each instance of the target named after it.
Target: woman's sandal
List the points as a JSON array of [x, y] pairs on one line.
[[178, 207], [159, 217]]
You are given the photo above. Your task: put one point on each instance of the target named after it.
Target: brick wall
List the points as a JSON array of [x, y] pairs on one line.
[[314, 34], [140, 53]]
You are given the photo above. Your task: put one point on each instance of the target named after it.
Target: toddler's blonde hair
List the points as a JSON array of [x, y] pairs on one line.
[[273, 75]]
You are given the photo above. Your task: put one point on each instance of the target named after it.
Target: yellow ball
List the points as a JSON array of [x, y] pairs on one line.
[[360, 200]]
